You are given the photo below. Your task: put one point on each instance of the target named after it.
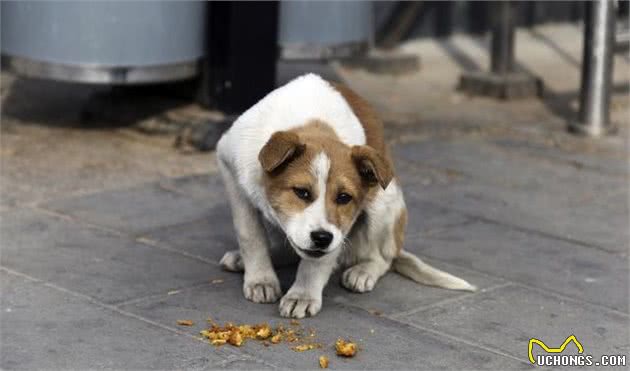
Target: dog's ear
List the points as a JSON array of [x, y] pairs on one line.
[[373, 168], [280, 148]]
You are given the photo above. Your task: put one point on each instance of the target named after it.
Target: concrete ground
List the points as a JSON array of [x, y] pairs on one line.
[[109, 234]]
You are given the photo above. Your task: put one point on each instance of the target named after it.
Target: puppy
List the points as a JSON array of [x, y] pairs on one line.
[[308, 167]]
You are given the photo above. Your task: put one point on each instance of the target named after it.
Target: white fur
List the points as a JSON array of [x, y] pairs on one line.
[[373, 246]]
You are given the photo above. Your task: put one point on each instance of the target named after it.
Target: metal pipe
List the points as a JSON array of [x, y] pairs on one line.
[[597, 64], [502, 58]]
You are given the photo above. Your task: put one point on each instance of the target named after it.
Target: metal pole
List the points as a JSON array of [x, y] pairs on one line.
[[502, 81], [597, 64], [502, 59]]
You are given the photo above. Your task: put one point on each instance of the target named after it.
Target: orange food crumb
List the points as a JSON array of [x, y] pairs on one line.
[[185, 322], [323, 362], [276, 338], [345, 348], [263, 332], [236, 338]]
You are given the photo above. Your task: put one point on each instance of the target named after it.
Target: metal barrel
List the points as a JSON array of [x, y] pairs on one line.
[[324, 29], [119, 42], [597, 65]]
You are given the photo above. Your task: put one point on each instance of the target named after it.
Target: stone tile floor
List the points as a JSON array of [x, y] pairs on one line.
[[109, 237], [99, 280]]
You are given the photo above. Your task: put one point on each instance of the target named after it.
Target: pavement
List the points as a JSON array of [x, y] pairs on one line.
[[109, 234]]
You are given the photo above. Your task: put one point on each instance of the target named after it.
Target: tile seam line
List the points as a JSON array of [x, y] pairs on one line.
[[105, 306], [70, 218], [165, 247], [487, 220], [530, 157], [459, 340], [558, 295], [549, 292], [464, 296], [141, 299], [145, 241]]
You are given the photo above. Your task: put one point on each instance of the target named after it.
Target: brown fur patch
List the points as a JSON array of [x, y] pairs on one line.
[[371, 122], [399, 230], [280, 148], [368, 117], [343, 176]]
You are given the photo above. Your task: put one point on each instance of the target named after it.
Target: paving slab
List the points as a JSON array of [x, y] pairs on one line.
[[43, 328], [581, 272], [209, 237], [133, 210], [558, 199], [506, 318], [425, 217], [204, 187], [391, 345], [611, 164], [394, 293], [541, 212], [93, 262]]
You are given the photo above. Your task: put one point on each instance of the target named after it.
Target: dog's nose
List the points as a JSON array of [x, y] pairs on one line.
[[321, 238]]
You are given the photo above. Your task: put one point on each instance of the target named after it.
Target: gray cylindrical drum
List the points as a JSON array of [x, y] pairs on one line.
[[120, 42], [324, 29]]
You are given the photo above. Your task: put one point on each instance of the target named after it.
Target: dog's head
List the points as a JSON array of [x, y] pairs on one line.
[[318, 185]]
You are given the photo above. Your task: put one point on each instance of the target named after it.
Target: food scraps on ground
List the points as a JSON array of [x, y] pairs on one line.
[[345, 348], [323, 362], [301, 340], [185, 322], [237, 335]]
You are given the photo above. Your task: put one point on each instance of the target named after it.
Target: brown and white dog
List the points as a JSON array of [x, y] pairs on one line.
[[307, 166]]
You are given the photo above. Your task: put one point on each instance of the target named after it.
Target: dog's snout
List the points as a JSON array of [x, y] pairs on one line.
[[321, 239]]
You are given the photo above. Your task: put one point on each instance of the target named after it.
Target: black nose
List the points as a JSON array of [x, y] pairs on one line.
[[321, 238]]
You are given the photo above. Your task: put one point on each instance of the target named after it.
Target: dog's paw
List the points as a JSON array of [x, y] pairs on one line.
[[232, 261], [299, 305], [265, 290], [357, 279]]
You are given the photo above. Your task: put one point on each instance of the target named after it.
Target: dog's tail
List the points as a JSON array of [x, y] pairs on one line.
[[412, 267]]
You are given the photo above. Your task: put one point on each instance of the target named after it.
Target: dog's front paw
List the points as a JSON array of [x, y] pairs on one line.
[[232, 261], [262, 290], [299, 305], [357, 279]]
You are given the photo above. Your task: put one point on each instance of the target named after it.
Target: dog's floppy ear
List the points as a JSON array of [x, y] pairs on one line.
[[372, 167], [281, 147]]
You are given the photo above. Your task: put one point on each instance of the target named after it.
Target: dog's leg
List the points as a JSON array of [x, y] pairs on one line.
[[304, 298], [261, 283], [367, 263], [375, 240]]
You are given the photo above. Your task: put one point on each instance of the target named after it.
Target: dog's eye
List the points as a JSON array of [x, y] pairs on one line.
[[343, 198], [302, 193]]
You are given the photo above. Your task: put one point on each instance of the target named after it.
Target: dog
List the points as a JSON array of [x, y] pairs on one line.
[[307, 169]]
